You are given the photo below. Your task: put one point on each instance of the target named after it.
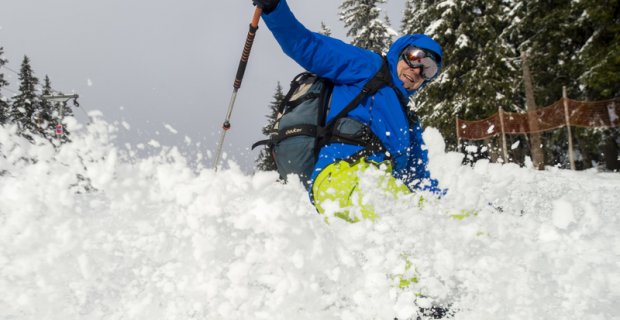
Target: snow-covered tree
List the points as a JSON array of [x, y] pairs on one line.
[[4, 105], [550, 33], [420, 16], [54, 113], [265, 161], [561, 37], [366, 29], [44, 116], [27, 100], [601, 58], [601, 52], [325, 30], [478, 73]]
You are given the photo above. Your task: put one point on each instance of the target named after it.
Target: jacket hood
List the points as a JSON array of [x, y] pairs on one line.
[[420, 41]]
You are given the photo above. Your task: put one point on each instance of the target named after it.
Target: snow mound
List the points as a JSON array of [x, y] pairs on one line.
[[91, 231]]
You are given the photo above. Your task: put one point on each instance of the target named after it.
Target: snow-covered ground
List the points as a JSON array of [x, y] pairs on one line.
[[95, 232]]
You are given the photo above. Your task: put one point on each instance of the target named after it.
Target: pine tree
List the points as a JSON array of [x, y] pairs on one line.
[[421, 16], [265, 161], [408, 16], [26, 102], [549, 32], [601, 53], [477, 73], [555, 35], [45, 114], [4, 105], [54, 113], [601, 59], [365, 27], [568, 43], [66, 111], [325, 30]]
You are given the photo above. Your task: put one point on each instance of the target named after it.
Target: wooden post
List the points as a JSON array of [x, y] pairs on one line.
[[501, 122], [571, 157], [538, 158]]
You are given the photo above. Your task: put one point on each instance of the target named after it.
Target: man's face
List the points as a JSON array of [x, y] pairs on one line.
[[411, 77]]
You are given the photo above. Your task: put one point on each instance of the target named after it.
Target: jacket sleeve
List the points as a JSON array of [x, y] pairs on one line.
[[325, 56]]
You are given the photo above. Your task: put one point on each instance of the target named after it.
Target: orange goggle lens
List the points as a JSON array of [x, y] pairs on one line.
[[420, 58]]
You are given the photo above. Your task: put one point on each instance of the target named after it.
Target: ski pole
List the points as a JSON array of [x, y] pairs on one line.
[[237, 84]]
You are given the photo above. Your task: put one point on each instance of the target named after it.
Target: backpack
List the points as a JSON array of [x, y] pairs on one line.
[[300, 128]]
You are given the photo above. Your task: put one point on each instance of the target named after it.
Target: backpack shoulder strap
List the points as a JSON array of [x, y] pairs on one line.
[[381, 78]]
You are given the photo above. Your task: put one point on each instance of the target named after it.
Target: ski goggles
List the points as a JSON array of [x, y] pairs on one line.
[[419, 58]]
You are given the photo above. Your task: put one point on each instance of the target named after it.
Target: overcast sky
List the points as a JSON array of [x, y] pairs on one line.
[[155, 62]]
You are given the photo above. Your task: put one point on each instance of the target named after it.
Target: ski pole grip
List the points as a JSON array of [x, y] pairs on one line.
[[245, 55]]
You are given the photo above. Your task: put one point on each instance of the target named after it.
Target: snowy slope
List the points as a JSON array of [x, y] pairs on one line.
[[94, 232]]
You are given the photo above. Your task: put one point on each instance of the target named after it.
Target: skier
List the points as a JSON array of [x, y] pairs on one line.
[[413, 60]]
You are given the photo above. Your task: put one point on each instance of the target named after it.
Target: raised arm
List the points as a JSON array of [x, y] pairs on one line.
[[325, 56]]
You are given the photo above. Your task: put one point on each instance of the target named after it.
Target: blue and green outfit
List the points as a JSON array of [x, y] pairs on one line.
[[349, 68]]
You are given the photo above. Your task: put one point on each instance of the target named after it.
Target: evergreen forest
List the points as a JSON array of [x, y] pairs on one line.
[[572, 44], [35, 109]]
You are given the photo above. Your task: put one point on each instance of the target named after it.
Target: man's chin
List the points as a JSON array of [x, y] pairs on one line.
[[413, 86]]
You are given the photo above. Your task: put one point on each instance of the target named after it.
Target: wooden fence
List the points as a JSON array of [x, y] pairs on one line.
[[562, 113]]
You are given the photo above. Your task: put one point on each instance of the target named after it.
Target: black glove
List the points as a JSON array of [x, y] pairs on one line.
[[266, 5]]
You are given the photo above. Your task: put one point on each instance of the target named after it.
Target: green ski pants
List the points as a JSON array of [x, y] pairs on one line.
[[339, 184]]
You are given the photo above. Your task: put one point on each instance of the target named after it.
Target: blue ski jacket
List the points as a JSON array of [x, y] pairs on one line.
[[349, 68]]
